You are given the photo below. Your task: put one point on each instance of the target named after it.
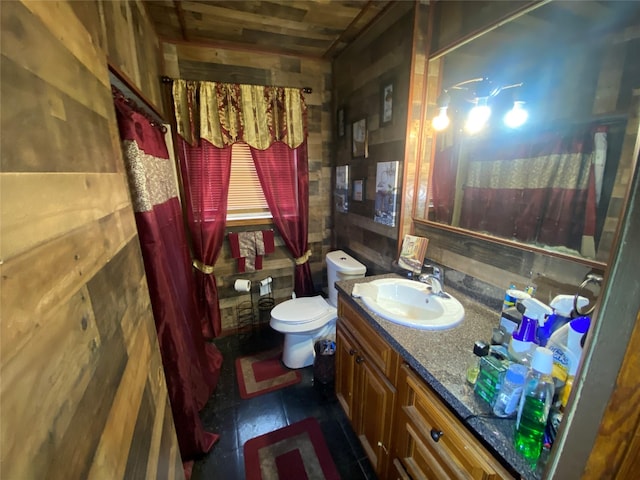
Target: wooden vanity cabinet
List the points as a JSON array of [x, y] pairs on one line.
[[366, 369], [430, 442], [406, 430]]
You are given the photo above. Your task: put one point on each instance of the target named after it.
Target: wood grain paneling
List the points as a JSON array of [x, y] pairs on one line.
[[458, 19], [315, 28], [136, 466], [82, 389], [69, 146], [615, 454], [206, 71], [110, 457], [39, 207], [626, 166], [382, 54], [46, 276], [22, 37]]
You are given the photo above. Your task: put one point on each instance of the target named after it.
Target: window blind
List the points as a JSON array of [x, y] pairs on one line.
[[246, 198]]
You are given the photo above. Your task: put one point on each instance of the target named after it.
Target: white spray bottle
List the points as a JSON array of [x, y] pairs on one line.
[[562, 306]]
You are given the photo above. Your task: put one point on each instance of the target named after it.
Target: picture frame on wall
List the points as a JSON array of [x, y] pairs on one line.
[[342, 188], [359, 138], [340, 122], [358, 190], [386, 201], [386, 103]]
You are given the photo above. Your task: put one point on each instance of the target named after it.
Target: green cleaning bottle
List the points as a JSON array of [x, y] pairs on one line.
[[534, 405]]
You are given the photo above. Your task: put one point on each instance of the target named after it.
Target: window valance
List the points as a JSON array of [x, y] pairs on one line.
[[226, 113]]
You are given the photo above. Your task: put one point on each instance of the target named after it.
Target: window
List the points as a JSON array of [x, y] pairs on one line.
[[246, 198]]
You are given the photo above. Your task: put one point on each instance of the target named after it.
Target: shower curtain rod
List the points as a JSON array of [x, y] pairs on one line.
[[134, 103], [166, 79], [128, 87]]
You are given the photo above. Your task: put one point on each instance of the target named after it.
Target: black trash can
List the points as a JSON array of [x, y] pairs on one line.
[[265, 305], [324, 367]]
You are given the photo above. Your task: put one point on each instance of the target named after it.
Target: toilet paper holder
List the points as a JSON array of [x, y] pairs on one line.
[[245, 312], [247, 319]]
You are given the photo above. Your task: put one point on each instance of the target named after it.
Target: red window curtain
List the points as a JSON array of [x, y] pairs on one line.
[[284, 176], [273, 122], [191, 366], [205, 175]]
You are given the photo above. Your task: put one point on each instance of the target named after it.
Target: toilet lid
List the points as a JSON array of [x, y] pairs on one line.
[[302, 309]]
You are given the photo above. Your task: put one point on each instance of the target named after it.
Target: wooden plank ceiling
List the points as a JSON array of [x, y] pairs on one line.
[[315, 28]]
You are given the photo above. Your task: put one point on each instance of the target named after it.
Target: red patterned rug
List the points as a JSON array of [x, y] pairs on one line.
[[262, 373], [296, 452]]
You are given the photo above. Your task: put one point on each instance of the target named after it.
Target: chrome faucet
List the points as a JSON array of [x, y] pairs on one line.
[[435, 278]]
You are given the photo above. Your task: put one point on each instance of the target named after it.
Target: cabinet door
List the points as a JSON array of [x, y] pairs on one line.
[[375, 398], [379, 352], [345, 370], [431, 443]]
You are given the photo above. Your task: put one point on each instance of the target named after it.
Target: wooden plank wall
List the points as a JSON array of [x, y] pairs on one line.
[[193, 62], [82, 389], [455, 20], [383, 53]]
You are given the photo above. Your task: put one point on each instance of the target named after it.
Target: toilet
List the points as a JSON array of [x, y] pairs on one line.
[[307, 319]]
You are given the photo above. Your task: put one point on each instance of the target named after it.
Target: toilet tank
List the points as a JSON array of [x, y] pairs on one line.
[[341, 266]]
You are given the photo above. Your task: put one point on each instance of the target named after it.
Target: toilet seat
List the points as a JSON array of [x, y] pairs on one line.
[[302, 314]]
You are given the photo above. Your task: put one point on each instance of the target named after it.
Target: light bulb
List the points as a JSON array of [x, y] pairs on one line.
[[516, 117], [441, 121], [478, 116]]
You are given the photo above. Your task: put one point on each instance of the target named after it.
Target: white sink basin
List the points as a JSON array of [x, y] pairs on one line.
[[410, 303]]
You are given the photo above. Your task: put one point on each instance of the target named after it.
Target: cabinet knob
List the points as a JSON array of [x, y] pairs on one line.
[[359, 359], [353, 351], [436, 434]]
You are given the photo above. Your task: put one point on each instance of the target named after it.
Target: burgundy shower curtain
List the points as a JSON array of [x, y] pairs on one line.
[[541, 190], [284, 177], [191, 366]]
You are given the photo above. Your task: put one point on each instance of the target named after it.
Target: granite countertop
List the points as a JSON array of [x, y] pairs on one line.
[[441, 357]]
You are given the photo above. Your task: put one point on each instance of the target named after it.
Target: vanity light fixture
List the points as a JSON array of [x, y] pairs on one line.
[[441, 121], [516, 117], [478, 94], [478, 116]]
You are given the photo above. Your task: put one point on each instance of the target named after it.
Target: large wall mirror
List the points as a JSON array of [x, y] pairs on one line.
[[533, 128]]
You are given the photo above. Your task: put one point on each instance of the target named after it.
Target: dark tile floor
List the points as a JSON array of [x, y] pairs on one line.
[[237, 420]]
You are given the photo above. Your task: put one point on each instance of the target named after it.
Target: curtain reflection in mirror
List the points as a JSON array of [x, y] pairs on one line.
[[540, 189]]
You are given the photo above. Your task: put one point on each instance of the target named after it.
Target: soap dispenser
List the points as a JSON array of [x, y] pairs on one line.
[[522, 344]]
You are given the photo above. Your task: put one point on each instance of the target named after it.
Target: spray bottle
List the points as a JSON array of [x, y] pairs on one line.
[[562, 306], [522, 344]]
